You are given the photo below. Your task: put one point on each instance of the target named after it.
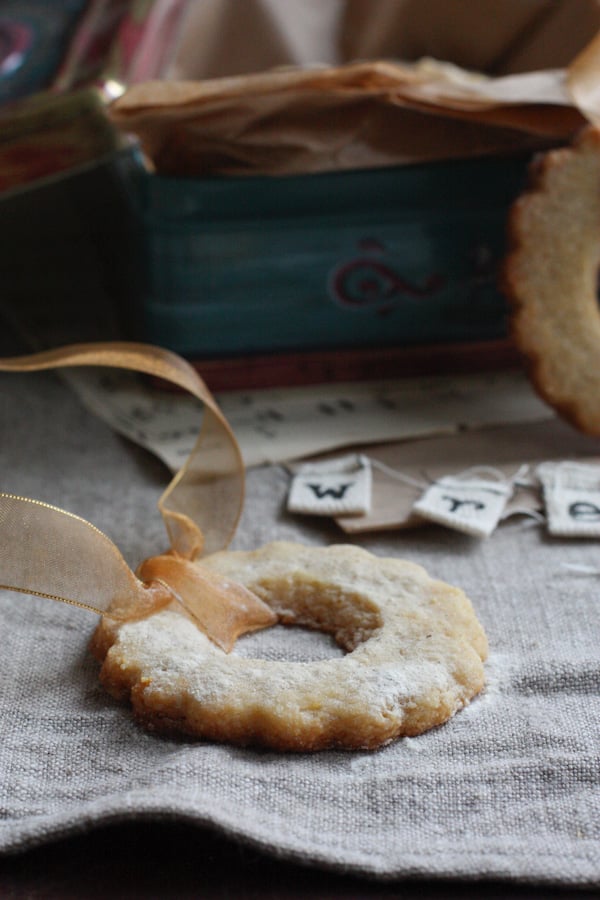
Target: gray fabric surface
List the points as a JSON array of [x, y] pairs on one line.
[[509, 788]]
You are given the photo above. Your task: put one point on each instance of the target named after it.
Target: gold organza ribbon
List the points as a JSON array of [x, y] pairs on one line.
[[51, 553]]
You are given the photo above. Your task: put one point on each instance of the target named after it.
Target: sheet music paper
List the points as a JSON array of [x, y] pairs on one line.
[[282, 424]]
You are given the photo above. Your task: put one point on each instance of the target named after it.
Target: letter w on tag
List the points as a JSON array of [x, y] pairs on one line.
[[339, 486], [474, 506]]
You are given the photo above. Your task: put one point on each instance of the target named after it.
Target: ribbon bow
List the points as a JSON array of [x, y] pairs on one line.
[[49, 552]]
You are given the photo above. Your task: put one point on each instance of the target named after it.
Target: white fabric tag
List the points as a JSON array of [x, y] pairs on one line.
[[332, 487], [472, 505], [571, 497]]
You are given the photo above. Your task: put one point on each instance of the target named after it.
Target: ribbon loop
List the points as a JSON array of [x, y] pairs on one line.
[[52, 553], [202, 504]]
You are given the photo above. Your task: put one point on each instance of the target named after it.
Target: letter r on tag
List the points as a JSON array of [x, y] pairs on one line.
[[474, 506]]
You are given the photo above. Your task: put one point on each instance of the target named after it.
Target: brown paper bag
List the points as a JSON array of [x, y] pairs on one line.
[[528, 91]]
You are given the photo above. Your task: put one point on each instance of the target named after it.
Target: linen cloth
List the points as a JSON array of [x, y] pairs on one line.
[[509, 788]]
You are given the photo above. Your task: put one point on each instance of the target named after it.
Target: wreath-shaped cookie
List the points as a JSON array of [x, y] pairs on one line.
[[551, 279], [414, 655]]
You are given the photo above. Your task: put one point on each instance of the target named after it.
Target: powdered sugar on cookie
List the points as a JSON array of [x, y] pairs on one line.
[[414, 657]]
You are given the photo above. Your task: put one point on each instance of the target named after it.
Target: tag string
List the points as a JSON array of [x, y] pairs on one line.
[[518, 479]]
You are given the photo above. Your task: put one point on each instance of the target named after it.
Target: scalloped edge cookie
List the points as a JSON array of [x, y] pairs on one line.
[[551, 279], [414, 655]]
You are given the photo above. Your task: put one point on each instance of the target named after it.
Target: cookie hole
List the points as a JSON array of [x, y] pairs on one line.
[[342, 617], [290, 643]]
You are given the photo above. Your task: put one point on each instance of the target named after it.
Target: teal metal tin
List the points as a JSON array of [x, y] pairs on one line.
[[386, 257]]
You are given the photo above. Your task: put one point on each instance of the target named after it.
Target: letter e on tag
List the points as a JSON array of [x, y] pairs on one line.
[[473, 506], [571, 497], [333, 487]]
